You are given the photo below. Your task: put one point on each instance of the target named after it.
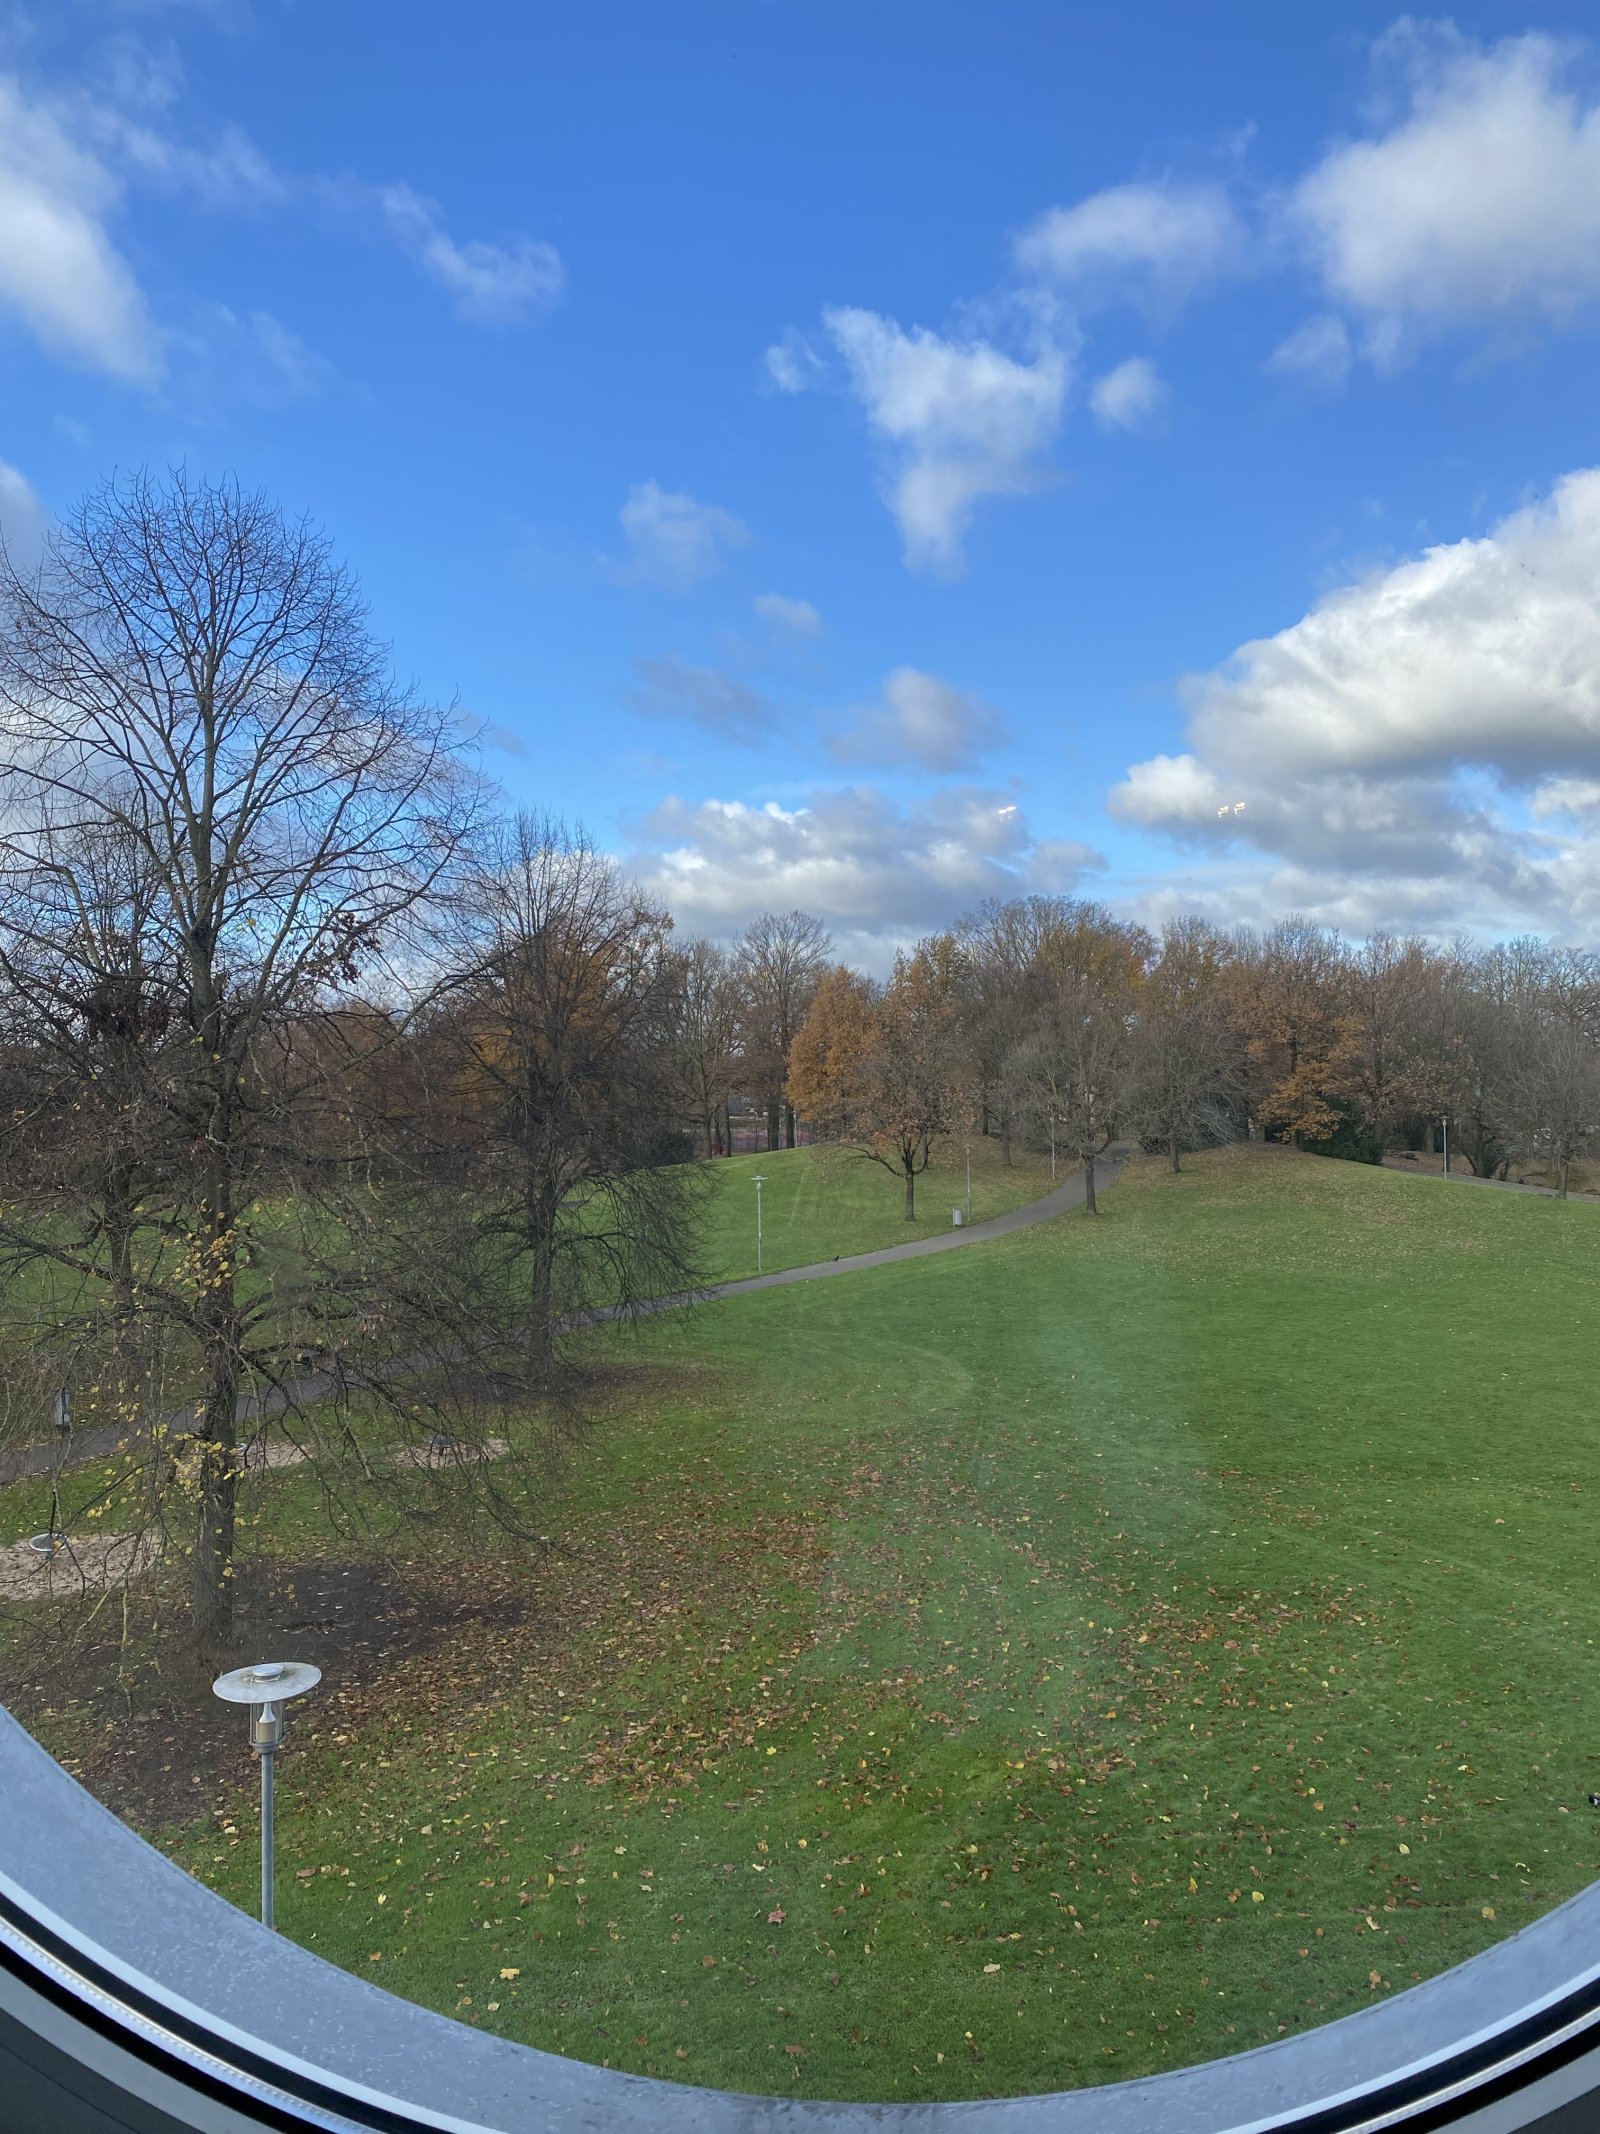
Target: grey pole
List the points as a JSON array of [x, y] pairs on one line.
[[760, 1182], [267, 1688], [969, 1182], [268, 1758], [1445, 1123]]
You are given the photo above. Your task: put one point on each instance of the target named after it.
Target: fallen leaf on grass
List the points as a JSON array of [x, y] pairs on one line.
[[510, 1971], [775, 1918]]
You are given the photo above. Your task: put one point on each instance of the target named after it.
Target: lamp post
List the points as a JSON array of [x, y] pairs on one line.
[[1445, 1124], [760, 1182], [267, 1688], [969, 1181]]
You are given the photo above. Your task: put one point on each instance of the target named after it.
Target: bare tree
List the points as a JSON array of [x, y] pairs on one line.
[[562, 1031], [1187, 1063], [1555, 1092], [781, 957], [1073, 1072], [707, 1036], [1000, 998], [188, 678]]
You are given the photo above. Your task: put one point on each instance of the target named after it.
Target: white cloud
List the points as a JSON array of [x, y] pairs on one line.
[[673, 539], [877, 874], [798, 617], [792, 363], [1162, 239], [1129, 397], [22, 518], [1319, 350], [60, 273], [246, 357], [1394, 743], [962, 421], [1565, 796], [1480, 206], [493, 284], [666, 687], [922, 721], [1481, 651]]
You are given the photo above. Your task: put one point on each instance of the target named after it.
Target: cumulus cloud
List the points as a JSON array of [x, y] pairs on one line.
[[666, 687], [1479, 651], [960, 420], [876, 873], [798, 618], [673, 539], [1130, 397], [60, 273], [1480, 205], [492, 284], [920, 721], [1400, 735], [1160, 238]]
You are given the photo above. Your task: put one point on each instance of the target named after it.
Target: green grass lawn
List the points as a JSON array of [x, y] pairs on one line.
[[822, 1200], [1099, 1650], [1043, 1664]]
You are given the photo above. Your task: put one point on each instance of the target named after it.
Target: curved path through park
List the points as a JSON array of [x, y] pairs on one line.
[[1068, 1195], [97, 1444]]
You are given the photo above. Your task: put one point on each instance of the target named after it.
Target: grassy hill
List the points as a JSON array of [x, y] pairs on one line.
[[1047, 1663], [820, 1201]]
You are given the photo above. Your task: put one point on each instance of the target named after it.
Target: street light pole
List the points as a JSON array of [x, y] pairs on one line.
[[1445, 1123], [267, 1688], [969, 1184], [760, 1182]]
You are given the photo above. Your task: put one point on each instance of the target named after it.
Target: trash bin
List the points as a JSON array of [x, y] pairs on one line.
[[956, 1218]]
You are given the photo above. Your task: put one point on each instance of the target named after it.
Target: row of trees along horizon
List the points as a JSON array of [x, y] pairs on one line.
[[335, 1092]]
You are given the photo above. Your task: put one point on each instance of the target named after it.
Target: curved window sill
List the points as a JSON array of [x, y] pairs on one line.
[[132, 1997]]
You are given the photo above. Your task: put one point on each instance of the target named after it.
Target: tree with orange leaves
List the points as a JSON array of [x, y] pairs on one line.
[[882, 1063]]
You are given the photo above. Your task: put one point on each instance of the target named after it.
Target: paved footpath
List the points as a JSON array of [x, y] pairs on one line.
[[1058, 1202], [1471, 1178], [99, 1444]]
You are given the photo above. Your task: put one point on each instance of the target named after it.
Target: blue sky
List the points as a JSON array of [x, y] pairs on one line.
[[875, 456]]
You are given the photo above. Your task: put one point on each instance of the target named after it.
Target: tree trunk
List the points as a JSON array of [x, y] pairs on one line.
[[118, 1216], [1005, 1138], [216, 1441], [1561, 1190], [788, 1126], [911, 1194], [1088, 1186], [541, 1234], [1172, 1151], [773, 1108]]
